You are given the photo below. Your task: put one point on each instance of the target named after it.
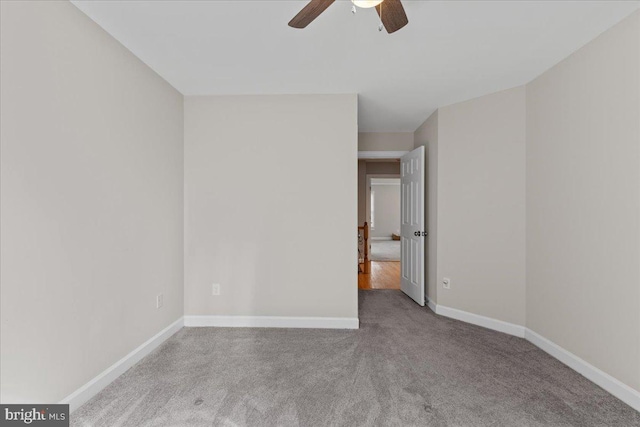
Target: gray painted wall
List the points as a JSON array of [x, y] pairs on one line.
[[91, 201], [583, 203], [481, 205], [248, 224], [536, 203]]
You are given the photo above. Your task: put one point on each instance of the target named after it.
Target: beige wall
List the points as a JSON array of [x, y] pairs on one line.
[[388, 167], [91, 201], [427, 135], [248, 224], [481, 205], [385, 141], [583, 197]]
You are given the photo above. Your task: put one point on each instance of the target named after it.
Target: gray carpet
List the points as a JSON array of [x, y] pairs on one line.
[[385, 250], [404, 367]]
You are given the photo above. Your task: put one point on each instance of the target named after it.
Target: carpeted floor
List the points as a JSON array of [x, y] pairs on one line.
[[404, 367], [385, 250]]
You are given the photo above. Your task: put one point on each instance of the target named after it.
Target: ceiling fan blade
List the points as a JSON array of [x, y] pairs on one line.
[[392, 15], [310, 12]]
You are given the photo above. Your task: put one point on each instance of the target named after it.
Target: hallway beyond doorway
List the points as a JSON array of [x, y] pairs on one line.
[[385, 250], [384, 275]]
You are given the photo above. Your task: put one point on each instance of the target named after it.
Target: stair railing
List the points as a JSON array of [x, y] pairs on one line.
[[364, 236]]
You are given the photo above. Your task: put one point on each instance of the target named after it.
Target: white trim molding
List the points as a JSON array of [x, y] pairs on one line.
[[273, 322], [381, 154], [393, 182], [614, 386], [485, 322], [94, 386], [432, 305]]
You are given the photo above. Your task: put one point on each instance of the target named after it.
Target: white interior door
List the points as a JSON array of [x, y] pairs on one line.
[[412, 232]]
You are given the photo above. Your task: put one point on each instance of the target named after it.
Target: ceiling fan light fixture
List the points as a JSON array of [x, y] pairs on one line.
[[365, 4], [393, 18]]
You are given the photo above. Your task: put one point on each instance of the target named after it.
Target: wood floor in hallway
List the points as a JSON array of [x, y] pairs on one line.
[[384, 275]]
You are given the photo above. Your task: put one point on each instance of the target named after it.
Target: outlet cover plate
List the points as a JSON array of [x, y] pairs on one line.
[[215, 289], [159, 300]]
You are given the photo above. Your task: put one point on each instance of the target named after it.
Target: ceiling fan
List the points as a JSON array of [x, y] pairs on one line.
[[391, 13]]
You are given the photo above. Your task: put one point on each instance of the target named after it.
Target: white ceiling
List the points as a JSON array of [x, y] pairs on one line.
[[451, 50]]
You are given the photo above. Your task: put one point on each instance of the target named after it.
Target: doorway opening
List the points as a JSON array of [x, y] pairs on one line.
[[391, 194], [384, 217], [379, 210]]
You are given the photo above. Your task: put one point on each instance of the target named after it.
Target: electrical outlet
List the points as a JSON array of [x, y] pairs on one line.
[[159, 301], [215, 289], [446, 283]]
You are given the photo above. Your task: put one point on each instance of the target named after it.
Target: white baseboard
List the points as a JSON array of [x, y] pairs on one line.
[[432, 305], [273, 322], [97, 384], [93, 387], [620, 390], [485, 322]]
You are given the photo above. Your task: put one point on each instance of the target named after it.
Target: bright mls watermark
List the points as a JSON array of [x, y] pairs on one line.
[[34, 415]]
